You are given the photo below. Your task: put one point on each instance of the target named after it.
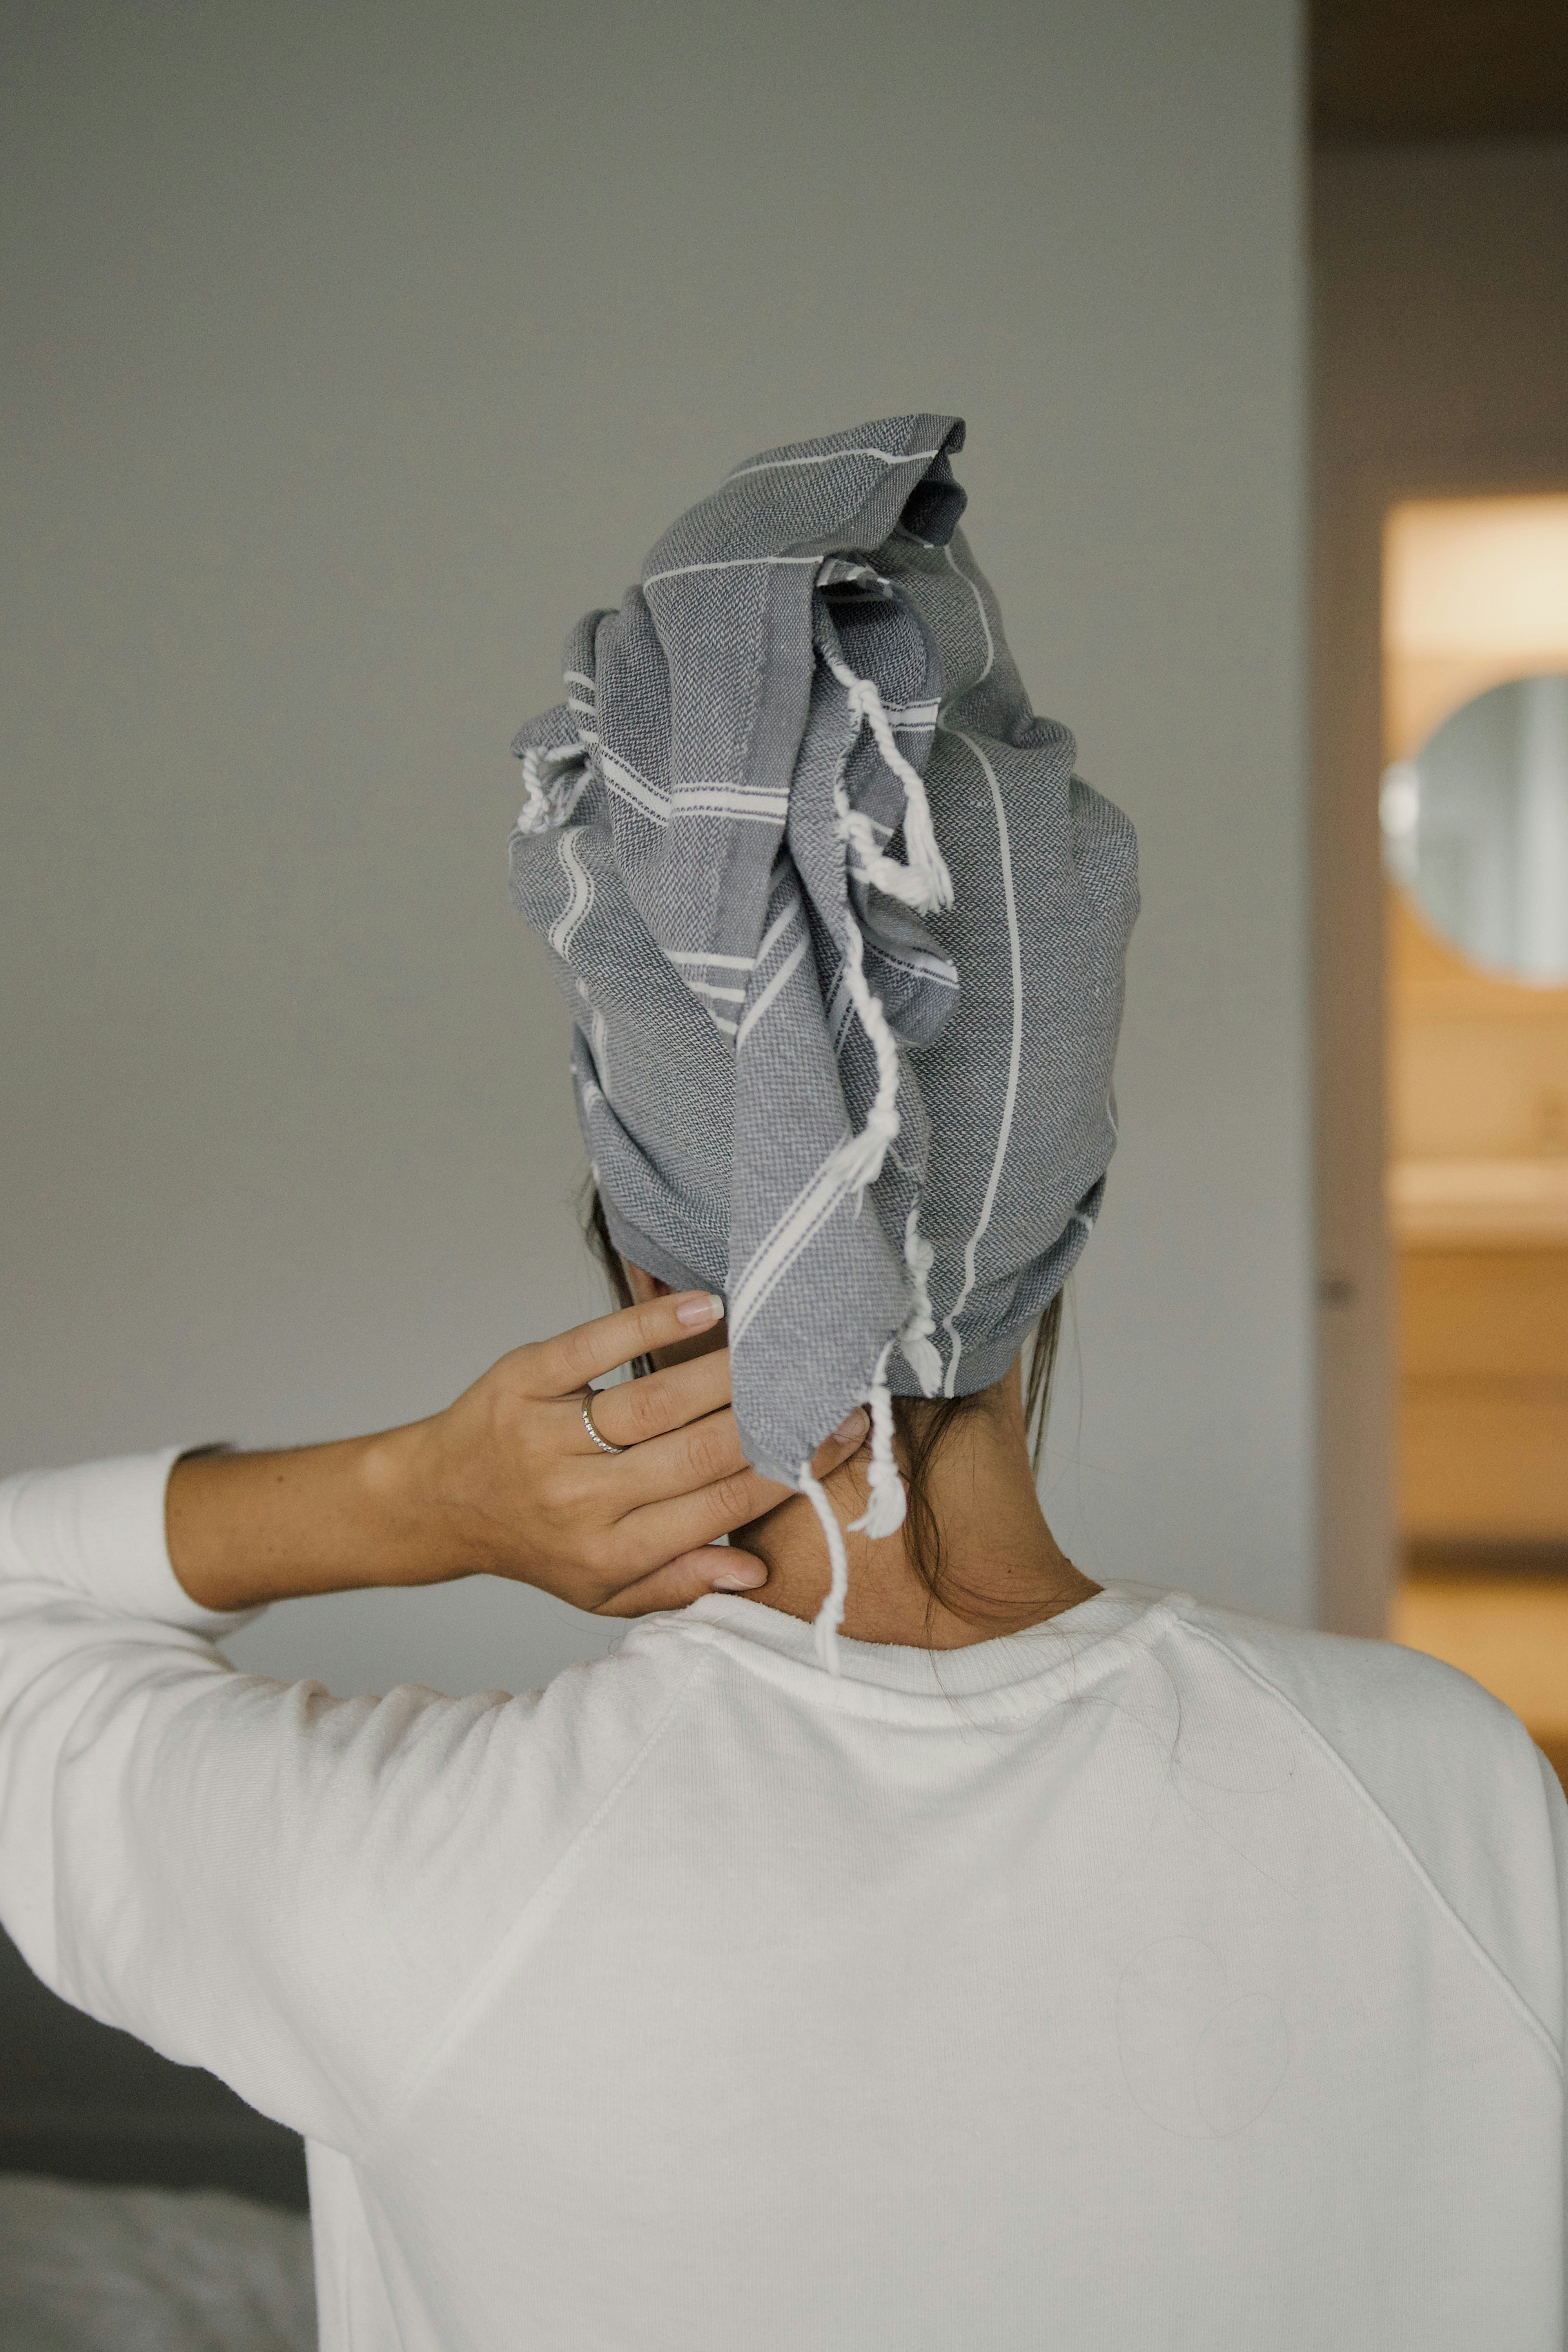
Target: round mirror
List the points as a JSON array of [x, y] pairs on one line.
[[1476, 828]]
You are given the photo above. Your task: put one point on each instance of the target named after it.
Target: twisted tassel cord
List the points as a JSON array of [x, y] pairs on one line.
[[886, 1501], [552, 797], [915, 1339], [830, 1616], [925, 884], [858, 1159]]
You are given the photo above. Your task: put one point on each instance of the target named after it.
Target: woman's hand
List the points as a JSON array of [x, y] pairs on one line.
[[505, 1482], [514, 1473]]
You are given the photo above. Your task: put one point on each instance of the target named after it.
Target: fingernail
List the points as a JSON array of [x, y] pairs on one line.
[[855, 1427], [698, 1312], [739, 1579]]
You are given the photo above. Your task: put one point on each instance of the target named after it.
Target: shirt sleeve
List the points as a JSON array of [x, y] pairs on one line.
[[86, 1584], [256, 1877]]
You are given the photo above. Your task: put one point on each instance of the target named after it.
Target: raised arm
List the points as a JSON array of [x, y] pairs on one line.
[[282, 1885], [505, 1482]]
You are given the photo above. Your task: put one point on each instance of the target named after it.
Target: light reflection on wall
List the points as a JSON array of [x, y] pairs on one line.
[[1474, 590]]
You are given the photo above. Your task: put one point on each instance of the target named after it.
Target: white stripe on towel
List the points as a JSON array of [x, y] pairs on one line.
[[729, 563], [772, 990], [729, 800], [643, 796], [832, 456], [564, 930], [980, 601], [772, 937], [1010, 1099]]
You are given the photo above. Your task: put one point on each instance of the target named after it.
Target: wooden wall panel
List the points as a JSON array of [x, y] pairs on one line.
[[1510, 1633], [1483, 1314], [1484, 1461]]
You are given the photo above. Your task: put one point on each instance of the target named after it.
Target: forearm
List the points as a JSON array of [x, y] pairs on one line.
[[247, 1529], [508, 1480]]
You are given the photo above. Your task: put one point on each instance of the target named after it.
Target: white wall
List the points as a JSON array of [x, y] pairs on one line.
[[358, 349]]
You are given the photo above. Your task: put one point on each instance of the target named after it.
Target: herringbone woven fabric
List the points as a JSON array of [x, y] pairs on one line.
[[843, 937]]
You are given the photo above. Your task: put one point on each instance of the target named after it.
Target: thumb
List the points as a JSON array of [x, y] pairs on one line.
[[714, 1568]]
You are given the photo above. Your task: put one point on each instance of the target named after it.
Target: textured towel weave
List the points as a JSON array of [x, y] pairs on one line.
[[842, 934]]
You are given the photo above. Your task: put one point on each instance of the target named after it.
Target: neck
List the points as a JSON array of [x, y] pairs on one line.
[[1002, 1570]]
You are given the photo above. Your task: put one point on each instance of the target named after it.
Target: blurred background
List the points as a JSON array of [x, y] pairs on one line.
[[1440, 649], [352, 352]]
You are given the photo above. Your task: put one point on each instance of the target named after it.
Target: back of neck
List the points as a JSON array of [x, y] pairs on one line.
[[1000, 1568]]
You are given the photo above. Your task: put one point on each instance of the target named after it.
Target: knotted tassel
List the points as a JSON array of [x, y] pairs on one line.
[[925, 882], [830, 1616], [915, 1339], [886, 1501], [859, 1159], [884, 873], [550, 799]]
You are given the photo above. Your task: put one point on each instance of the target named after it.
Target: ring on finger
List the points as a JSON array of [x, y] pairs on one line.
[[602, 1442]]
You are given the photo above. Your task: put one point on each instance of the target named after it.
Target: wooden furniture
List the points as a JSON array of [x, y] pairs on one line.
[[1477, 1215], [1483, 1422], [1509, 1634]]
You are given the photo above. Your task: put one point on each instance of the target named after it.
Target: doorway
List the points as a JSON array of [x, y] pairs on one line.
[[1474, 822], [1440, 275]]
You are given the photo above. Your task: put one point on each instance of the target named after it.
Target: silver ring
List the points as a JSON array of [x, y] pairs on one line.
[[602, 1442]]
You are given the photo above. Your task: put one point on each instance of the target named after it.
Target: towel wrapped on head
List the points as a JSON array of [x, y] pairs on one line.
[[843, 938]]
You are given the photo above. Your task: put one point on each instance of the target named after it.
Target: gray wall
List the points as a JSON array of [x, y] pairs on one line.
[[356, 350]]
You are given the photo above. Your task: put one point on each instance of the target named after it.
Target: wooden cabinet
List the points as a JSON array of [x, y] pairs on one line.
[[1477, 1214], [1483, 1419]]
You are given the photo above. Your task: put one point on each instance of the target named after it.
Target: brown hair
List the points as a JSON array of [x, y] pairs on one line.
[[921, 1425]]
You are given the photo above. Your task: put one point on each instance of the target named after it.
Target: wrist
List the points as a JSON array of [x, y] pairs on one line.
[[418, 1537]]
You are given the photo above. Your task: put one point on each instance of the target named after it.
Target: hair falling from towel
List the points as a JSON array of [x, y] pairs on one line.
[[921, 1425]]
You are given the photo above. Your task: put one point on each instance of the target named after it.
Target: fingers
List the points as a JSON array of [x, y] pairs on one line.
[[713, 1567], [844, 1444], [705, 1452], [677, 1464], [684, 1522], [555, 1368], [637, 1410], [685, 1513]]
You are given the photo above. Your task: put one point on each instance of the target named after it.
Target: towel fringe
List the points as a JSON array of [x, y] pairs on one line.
[[830, 1616], [886, 1501], [915, 1339], [550, 797], [858, 1159], [925, 884], [924, 881]]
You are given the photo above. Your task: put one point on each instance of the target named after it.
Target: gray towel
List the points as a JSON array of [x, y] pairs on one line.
[[843, 937]]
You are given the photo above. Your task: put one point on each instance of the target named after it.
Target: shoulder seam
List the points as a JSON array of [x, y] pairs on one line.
[[476, 1991], [1390, 1829]]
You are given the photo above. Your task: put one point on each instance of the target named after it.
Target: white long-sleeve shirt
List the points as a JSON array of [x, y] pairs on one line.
[[1161, 1978]]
